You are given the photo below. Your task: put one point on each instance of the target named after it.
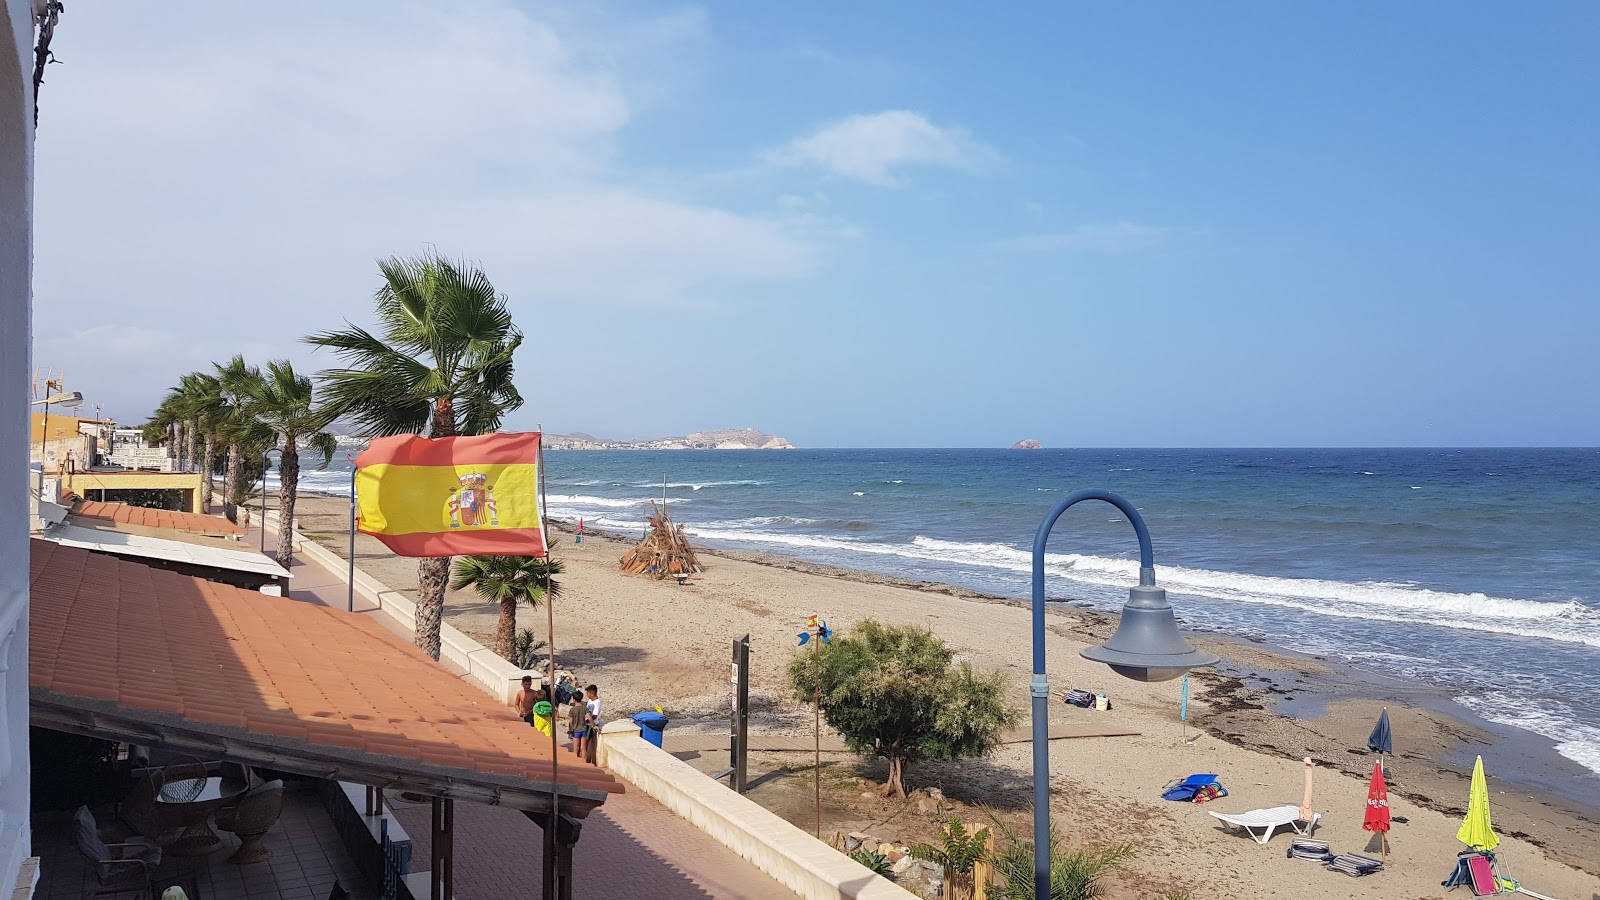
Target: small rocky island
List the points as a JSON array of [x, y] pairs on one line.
[[1027, 444], [721, 439]]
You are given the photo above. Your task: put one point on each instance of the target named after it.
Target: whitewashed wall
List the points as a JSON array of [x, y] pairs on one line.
[[16, 271]]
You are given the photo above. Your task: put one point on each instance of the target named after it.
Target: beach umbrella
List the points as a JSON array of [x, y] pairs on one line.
[[1381, 740], [1476, 830], [1377, 817]]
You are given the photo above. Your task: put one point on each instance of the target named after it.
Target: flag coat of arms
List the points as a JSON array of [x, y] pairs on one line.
[[457, 496]]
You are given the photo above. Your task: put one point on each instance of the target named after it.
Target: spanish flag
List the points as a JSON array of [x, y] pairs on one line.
[[455, 496]]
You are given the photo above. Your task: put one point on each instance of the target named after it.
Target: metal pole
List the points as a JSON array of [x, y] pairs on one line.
[[1039, 687], [44, 435], [550, 863], [816, 732], [350, 598]]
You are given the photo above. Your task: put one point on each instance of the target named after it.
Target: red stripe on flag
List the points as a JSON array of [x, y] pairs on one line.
[[487, 542], [476, 450]]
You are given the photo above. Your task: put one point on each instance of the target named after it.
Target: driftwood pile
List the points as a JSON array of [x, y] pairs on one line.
[[664, 552]]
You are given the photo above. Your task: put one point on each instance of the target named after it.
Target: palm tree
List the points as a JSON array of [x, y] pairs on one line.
[[197, 399], [282, 401], [236, 428], [508, 580], [441, 362]]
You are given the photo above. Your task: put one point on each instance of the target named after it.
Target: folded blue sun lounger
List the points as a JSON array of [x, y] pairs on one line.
[[1187, 788]]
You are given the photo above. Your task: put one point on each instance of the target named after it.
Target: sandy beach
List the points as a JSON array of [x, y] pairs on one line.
[[650, 643]]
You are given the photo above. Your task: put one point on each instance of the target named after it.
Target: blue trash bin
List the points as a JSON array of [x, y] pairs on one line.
[[651, 724]]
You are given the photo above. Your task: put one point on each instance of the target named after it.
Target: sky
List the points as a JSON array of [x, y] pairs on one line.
[[881, 225]]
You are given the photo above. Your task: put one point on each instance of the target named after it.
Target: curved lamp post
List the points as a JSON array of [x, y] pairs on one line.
[[264, 469], [1145, 647]]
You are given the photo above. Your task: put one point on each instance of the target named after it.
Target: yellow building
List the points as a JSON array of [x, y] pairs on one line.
[[114, 487]]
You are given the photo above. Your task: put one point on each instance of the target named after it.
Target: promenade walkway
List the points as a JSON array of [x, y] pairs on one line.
[[631, 847]]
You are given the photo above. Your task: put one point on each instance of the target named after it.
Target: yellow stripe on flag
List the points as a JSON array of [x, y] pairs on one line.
[[399, 499]]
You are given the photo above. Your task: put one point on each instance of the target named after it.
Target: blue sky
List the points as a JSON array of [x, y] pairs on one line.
[[862, 224]]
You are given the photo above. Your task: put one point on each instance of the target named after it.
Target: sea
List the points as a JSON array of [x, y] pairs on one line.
[[1476, 571]]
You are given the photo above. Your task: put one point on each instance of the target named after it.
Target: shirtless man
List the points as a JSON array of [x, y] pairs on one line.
[[526, 698]]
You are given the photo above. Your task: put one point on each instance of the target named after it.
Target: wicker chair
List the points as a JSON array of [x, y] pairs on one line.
[[140, 812], [181, 781], [118, 868], [255, 815]]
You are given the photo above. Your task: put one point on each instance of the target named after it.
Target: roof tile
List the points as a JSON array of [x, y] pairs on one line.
[[149, 639]]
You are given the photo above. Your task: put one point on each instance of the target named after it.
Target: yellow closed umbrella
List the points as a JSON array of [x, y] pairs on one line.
[[1476, 831]]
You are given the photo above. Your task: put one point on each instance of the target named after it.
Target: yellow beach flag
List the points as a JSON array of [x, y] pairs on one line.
[[457, 496], [1476, 830]]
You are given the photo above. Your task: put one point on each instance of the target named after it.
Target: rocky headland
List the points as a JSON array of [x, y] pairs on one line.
[[720, 439]]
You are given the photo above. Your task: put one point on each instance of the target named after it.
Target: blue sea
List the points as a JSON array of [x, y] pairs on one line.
[[1477, 571]]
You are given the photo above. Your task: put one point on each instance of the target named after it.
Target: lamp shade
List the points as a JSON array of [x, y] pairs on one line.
[[1147, 645]]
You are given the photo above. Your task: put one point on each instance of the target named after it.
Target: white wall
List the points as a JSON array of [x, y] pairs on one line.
[[16, 278]]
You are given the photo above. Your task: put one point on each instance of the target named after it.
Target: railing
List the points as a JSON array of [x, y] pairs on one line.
[[396, 862]]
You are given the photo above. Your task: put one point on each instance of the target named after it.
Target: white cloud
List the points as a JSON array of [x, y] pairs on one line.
[[1120, 237], [229, 176], [871, 148]]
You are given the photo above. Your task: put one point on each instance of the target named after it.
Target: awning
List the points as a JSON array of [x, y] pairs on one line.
[[127, 652], [238, 558]]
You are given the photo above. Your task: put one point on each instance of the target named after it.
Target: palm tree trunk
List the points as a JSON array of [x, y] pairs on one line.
[[288, 488], [230, 483], [505, 630], [177, 444], [206, 466], [433, 574], [193, 435]]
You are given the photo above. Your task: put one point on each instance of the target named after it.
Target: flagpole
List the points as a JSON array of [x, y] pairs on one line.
[[555, 743], [816, 713]]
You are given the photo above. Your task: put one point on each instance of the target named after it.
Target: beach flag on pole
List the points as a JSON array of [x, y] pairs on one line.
[[456, 496], [1377, 817]]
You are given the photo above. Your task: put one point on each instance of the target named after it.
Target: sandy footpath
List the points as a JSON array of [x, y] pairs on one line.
[[646, 642]]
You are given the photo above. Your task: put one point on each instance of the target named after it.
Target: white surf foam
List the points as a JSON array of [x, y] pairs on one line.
[[1552, 719], [1570, 622], [563, 503]]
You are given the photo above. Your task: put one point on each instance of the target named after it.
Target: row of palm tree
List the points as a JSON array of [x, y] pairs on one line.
[[245, 411], [438, 362]]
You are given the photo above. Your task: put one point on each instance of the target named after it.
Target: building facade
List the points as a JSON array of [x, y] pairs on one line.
[[16, 333]]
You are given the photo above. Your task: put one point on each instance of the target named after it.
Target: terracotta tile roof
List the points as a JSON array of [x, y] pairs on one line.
[[124, 514], [153, 641]]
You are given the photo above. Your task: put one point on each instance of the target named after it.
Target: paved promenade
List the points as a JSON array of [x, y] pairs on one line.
[[630, 847]]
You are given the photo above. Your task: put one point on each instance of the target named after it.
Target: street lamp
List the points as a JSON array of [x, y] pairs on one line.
[[263, 523], [1145, 647], [69, 400]]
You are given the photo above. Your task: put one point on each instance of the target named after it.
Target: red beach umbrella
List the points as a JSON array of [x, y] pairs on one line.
[[1377, 817]]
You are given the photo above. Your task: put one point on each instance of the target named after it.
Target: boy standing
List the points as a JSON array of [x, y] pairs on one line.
[[577, 723], [526, 698], [592, 709]]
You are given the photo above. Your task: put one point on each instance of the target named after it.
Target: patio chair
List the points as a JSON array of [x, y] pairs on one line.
[[118, 868], [181, 781], [141, 812], [1269, 821], [251, 819]]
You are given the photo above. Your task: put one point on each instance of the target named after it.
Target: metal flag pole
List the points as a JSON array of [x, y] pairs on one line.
[[555, 743], [816, 733], [350, 598]]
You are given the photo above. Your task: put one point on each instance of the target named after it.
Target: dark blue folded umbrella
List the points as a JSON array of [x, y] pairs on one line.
[[1380, 741]]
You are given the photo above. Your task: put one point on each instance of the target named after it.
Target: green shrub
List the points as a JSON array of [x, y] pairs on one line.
[[872, 859], [1074, 874]]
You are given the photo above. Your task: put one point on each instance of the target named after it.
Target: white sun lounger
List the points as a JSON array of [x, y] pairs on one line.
[[1268, 821]]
